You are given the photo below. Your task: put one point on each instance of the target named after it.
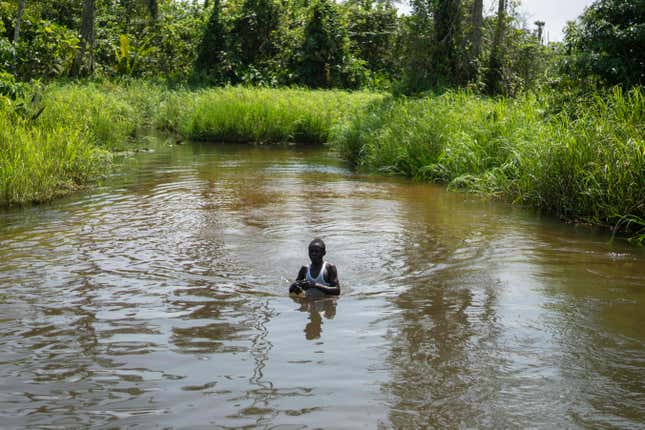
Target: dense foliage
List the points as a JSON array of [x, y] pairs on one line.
[[607, 42], [318, 43]]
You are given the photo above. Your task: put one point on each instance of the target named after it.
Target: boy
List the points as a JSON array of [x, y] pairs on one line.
[[320, 277]]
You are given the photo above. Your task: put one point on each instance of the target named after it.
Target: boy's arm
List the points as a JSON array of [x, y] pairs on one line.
[[296, 286], [302, 274]]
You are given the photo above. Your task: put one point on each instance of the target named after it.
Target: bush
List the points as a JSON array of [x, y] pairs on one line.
[[607, 42], [45, 50]]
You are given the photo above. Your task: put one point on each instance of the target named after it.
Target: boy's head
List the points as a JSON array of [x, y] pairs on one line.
[[317, 249]]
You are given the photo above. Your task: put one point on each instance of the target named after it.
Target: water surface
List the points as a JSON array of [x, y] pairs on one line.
[[159, 301]]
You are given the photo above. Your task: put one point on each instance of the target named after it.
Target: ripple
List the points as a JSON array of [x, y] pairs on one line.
[[163, 295]]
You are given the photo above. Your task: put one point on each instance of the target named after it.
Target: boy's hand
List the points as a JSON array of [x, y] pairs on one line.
[[295, 288], [305, 284], [300, 285]]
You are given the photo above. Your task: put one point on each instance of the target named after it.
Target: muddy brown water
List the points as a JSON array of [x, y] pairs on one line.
[[159, 301]]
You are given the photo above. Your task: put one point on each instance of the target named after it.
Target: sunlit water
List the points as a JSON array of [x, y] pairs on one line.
[[159, 301]]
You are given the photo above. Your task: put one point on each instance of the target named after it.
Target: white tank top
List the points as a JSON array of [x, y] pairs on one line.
[[320, 279]]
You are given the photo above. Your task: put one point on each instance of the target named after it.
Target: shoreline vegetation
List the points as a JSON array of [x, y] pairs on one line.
[[585, 163]]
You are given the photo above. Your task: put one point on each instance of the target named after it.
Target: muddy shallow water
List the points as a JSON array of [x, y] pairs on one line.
[[159, 301]]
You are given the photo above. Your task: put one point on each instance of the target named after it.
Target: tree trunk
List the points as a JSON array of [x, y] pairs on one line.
[[494, 77], [447, 31], [16, 31], [153, 8], [87, 40], [475, 39], [476, 30]]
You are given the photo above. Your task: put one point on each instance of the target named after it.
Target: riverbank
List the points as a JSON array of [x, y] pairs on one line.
[[585, 164], [59, 140], [66, 140], [260, 115]]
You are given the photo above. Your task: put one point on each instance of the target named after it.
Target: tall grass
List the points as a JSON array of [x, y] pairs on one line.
[[107, 113], [586, 166], [38, 164], [69, 144], [238, 114]]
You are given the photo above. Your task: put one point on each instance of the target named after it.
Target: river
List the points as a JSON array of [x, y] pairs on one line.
[[159, 300]]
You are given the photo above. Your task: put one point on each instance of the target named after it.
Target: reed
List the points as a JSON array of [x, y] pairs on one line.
[[108, 113], [592, 168], [263, 115], [584, 166], [70, 143], [38, 164]]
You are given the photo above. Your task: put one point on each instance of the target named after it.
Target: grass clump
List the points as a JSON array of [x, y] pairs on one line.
[[263, 115], [39, 164], [108, 114], [57, 141], [584, 166], [592, 168], [64, 140]]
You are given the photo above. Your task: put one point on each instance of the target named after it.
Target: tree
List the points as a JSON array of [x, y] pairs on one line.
[[475, 38], [325, 47], [540, 30], [87, 40], [211, 63], [419, 37], [447, 38], [16, 31], [170, 43], [607, 42], [372, 28], [494, 76], [254, 31], [153, 8]]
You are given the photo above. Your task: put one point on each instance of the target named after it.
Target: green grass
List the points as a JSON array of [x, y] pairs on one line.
[[239, 114], [70, 144], [584, 164], [587, 166], [37, 164], [108, 114]]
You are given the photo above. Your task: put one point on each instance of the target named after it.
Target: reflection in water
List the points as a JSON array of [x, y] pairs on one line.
[[158, 301], [264, 392], [442, 353], [445, 370], [596, 324], [317, 309]]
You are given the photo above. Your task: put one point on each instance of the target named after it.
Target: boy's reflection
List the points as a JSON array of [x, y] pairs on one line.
[[317, 309]]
